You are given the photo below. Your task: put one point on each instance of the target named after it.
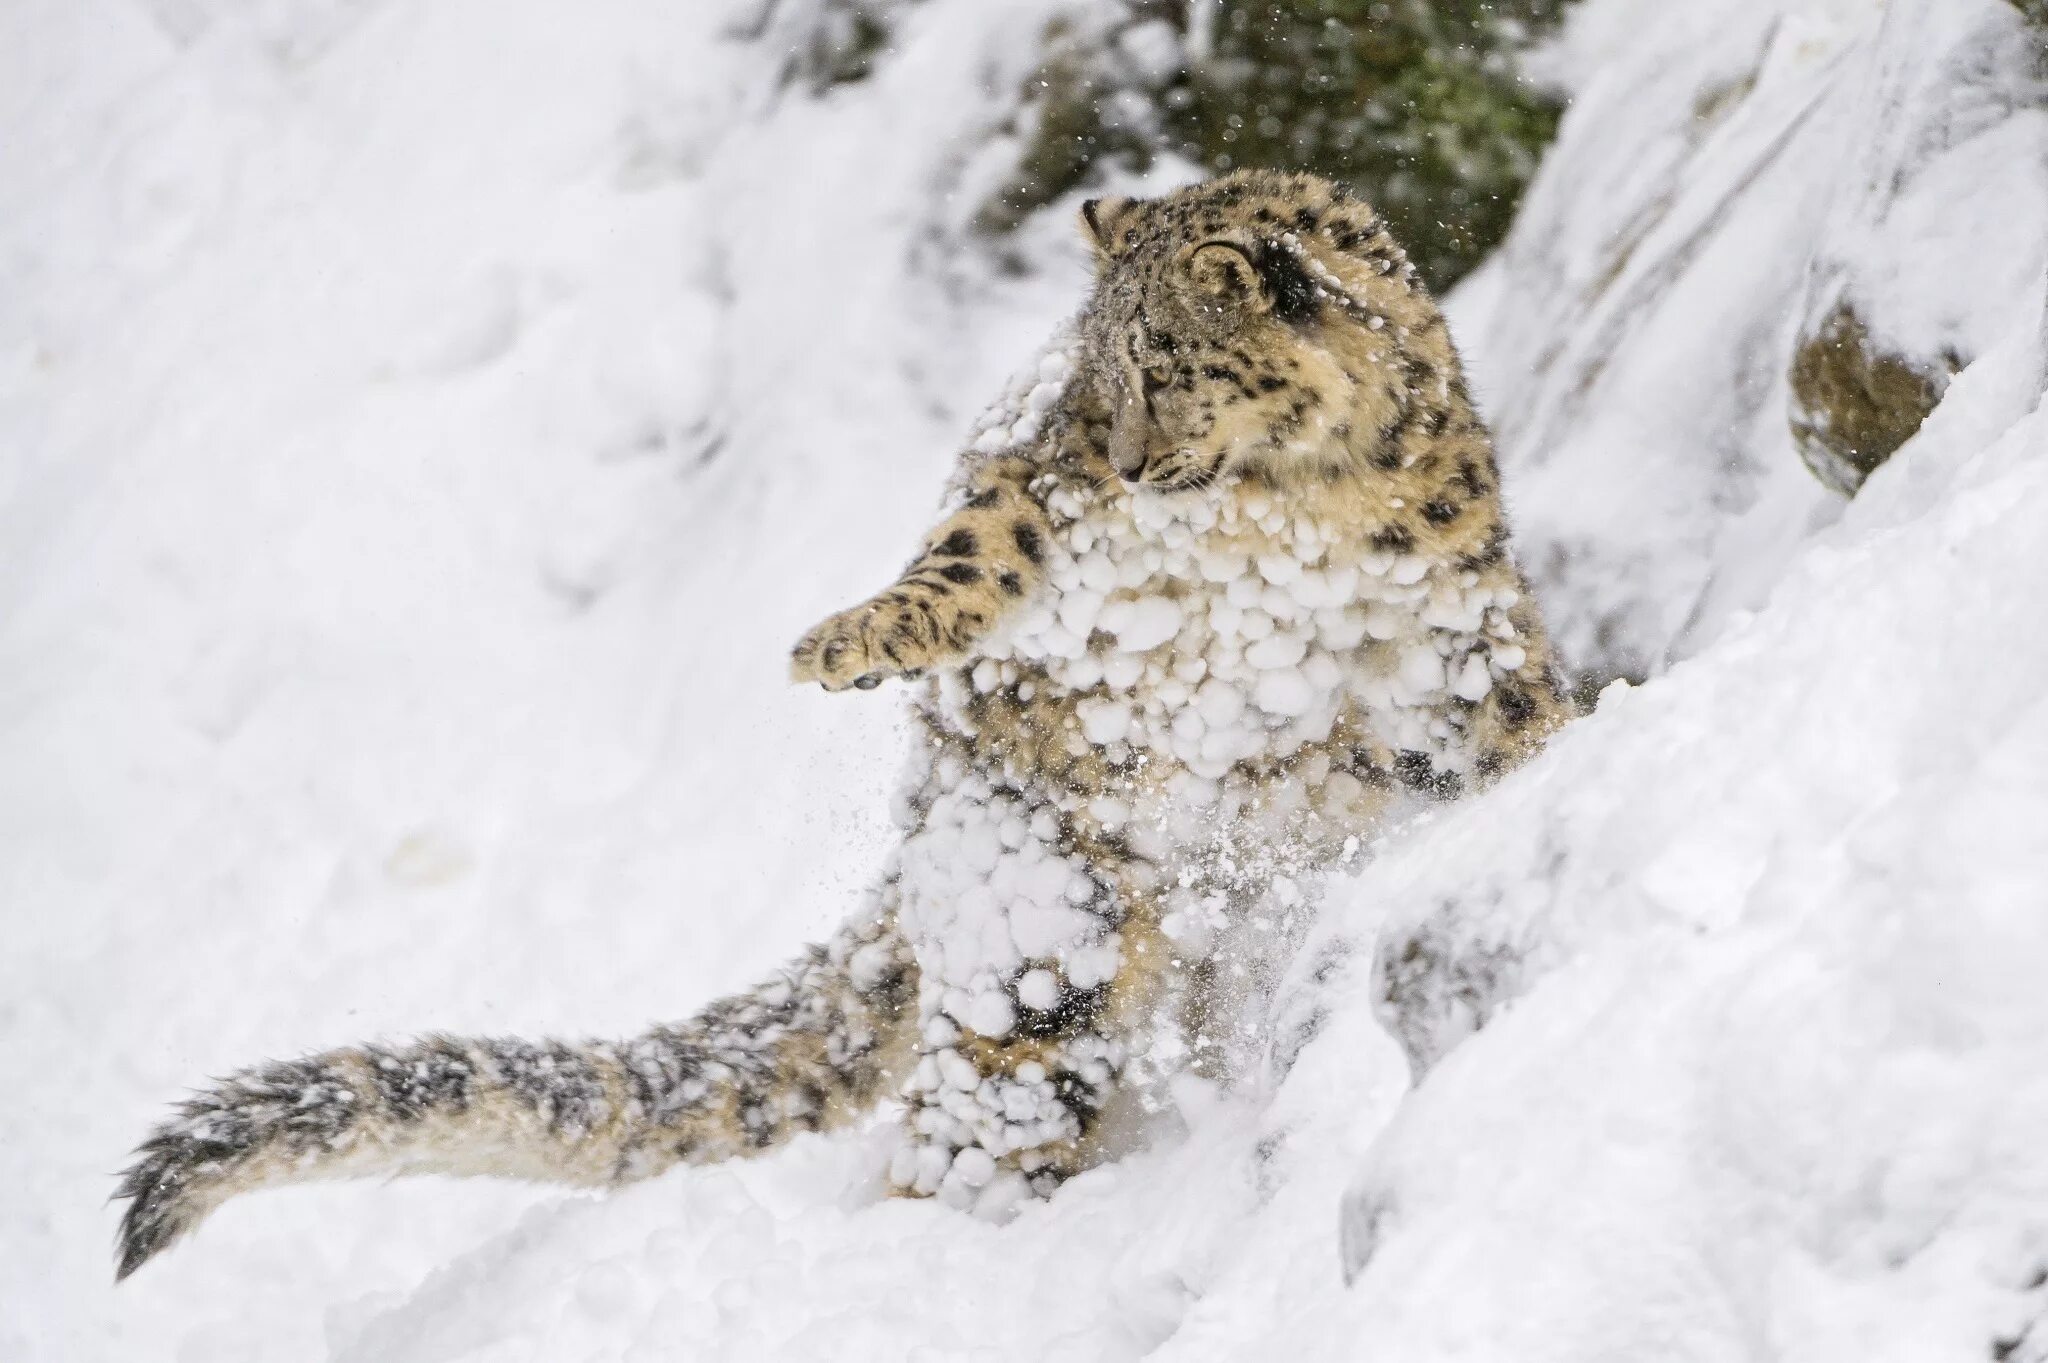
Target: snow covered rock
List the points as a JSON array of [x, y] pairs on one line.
[[1904, 289], [1759, 217]]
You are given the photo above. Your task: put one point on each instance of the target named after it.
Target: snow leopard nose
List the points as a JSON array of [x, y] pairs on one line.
[[1130, 449]]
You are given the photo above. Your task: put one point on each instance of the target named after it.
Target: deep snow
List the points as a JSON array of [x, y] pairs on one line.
[[426, 430], [1730, 171]]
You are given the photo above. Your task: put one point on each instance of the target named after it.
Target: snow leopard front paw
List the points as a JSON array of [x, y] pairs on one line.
[[862, 648]]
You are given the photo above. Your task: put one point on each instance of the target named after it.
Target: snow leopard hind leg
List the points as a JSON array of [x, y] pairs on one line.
[[1043, 976], [811, 1049]]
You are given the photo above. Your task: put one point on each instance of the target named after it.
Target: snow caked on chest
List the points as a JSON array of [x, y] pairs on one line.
[[1200, 630]]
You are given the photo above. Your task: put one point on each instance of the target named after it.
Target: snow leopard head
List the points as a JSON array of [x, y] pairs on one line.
[[1260, 324]]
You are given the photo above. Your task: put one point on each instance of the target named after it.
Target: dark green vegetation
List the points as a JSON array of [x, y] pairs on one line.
[[839, 42], [1417, 104], [1096, 99], [1414, 103]]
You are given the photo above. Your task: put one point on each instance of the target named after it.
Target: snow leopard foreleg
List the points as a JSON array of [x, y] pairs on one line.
[[975, 566]]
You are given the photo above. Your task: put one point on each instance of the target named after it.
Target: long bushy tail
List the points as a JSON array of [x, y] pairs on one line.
[[808, 1050]]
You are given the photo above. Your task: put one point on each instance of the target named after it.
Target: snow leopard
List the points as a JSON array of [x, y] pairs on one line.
[[1223, 582]]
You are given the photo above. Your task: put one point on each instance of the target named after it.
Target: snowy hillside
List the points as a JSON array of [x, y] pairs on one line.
[[426, 428], [1762, 216]]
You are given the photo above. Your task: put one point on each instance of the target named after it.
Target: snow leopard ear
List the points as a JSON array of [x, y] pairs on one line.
[[1107, 223], [1224, 272], [1263, 277]]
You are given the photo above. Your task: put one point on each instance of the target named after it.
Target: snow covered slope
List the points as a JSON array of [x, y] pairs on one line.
[[425, 431], [426, 427], [1733, 176]]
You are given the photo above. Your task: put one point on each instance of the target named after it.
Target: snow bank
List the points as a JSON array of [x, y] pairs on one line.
[[1760, 950], [1730, 173], [426, 430]]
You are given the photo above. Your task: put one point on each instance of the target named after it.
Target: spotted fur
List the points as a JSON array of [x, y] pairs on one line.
[[1258, 379]]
